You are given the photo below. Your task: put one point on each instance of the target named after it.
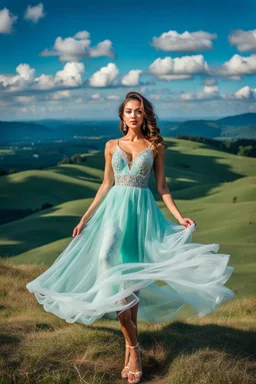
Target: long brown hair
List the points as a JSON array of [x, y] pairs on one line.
[[151, 131]]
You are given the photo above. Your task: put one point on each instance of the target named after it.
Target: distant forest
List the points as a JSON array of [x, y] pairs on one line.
[[240, 147]]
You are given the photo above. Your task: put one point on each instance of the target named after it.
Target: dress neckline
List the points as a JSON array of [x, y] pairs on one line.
[[138, 154]]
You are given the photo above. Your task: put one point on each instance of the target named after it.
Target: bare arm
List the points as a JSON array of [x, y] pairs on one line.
[[163, 190], [105, 186]]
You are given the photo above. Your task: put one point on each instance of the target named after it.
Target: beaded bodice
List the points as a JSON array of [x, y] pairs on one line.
[[135, 173]]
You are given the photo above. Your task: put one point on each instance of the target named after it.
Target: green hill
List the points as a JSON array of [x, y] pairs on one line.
[[214, 188]]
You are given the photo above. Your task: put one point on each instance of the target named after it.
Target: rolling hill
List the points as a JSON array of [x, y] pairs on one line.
[[214, 188]]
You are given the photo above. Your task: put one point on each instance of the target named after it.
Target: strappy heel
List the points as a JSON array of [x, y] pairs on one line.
[[125, 375], [138, 379]]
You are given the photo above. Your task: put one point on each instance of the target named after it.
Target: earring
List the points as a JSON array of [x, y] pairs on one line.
[[144, 125], [125, 127]]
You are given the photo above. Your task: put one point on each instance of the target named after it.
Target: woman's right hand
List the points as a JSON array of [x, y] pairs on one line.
[[77, 230]]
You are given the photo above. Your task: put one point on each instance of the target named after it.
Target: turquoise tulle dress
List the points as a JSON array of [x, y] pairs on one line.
[[129, 253]]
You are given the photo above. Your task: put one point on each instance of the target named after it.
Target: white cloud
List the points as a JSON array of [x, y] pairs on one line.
[[95, 96], [25, 99], [7, 19], [70, 76], [60, 95], [113, 97], [238, 66], [212, 93], [208, 93], [178, 68], [246, 93], [82, 35], [34, 13], [24, 78], [103, 48], [172, 41], [132, 78], [243, 40], [105, 76], [78, 47]]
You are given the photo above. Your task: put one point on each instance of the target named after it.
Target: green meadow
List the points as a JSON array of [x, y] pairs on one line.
[[214, 188]]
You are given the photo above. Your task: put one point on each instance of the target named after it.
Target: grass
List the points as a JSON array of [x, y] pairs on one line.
[[38, 347]]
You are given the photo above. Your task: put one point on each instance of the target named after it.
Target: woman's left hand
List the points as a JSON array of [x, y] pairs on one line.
[[186, 222]]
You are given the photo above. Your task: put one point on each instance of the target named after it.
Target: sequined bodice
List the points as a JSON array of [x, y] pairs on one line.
[[138, 173]]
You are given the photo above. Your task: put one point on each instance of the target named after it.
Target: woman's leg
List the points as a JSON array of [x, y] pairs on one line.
[[134, 312], [132, 315]]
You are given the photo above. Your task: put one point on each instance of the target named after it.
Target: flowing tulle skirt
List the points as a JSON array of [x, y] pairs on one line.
[[128, 252]]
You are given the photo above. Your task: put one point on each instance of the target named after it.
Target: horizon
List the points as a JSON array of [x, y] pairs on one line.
[[116, 120]]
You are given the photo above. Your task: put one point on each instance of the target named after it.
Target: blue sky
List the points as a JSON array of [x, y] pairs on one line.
[[63, 59]]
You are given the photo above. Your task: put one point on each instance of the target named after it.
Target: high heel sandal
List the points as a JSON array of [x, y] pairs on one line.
[[125, 375], [136, 380]]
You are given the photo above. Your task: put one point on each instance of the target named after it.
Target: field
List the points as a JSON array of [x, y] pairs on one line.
[[214, 188]]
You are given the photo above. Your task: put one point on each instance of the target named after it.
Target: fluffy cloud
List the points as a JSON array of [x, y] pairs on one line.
[[70, 76], [208, 93], [132, 78], [7, 19], [246, 93], [22, 80], [238, 66], [172, 41], [243, 40], [178, 68], [105, 76], [34, 13], [212, 93], [78, 47]]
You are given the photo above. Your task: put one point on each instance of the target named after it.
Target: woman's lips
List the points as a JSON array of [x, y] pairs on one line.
[[133, 121]]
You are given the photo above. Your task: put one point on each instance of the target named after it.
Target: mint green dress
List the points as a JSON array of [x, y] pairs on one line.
[[129, 253]]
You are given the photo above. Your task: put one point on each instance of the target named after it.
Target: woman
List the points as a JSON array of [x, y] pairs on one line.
[[124, 244]]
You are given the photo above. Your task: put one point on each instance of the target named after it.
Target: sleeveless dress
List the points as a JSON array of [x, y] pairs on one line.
[[129, 253]]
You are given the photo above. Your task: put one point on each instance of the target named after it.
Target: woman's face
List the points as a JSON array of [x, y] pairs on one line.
[[133, 115]]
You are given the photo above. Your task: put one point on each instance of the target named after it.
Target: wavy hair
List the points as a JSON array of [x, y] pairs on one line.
[[151, 131]]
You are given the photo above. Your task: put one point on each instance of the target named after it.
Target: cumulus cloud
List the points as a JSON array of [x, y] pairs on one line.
[[243, 40], [246, 93], [173, 41], [7, 19], [106, 76], [78, 47], [212, 93], [70, 76], [238, 66], [132, 78], [208, 93], [179, 68], [82, 35], [34, 13], [25, 76]]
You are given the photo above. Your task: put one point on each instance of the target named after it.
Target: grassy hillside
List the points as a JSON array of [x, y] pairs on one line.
[[38, 347], [214, 188]]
